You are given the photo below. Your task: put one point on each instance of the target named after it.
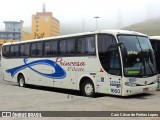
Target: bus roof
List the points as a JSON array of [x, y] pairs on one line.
[[154, 37], [114, 32]]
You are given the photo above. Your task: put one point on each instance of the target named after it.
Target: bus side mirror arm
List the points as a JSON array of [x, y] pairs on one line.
[[116, 45]]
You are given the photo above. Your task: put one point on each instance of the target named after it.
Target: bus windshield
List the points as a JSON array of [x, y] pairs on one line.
[[138, 57]]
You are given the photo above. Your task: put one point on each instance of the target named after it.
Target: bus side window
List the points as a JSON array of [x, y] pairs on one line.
[[63, 47], [114, 62], [86, 45], [12, 51], [70, 46], [39, 49], [158, 56], [22, 50], [90, 45], [47, 48], [33, 49], [81, 46], [54, 47], [153, 43], [109, 58], [16, 50], [50, 48], [6, 51], [27, 49]]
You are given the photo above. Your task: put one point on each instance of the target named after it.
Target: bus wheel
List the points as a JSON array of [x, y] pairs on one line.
[[88, 88], [21, 81]]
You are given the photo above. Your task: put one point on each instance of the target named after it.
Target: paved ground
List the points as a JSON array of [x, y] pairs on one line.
[[32, 98]]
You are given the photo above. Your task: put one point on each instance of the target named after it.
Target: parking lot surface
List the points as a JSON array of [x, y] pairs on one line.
[[36, 98]]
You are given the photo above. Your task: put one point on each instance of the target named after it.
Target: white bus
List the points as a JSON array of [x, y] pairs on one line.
[[155, 42], [110, 61]]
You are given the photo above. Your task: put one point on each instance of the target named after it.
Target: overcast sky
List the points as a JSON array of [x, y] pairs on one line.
[[112, 13]]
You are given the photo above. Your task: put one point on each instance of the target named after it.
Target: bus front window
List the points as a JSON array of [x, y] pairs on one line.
[[138, 58]]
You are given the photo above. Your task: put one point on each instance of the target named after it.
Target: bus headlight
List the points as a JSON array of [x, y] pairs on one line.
[[130, 84]]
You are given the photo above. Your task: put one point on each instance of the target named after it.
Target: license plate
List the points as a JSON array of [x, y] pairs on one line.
[[145, 89]]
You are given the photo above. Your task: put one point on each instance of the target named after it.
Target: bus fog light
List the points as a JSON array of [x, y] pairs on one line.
[[156, 81]]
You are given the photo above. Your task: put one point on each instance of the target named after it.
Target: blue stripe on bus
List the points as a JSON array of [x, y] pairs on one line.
[[59, 72]]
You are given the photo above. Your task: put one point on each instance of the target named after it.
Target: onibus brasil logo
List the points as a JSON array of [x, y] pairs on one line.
[[58, 74]]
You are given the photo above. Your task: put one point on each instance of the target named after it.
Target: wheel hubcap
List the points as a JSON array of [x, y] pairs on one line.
[[88, 89], [21, 82]]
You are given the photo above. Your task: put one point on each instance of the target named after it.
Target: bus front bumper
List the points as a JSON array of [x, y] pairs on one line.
[[139, 89]]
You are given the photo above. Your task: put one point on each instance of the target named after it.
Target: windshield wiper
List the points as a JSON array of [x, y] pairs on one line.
[[140, 73], [142, 65], [146, 60]]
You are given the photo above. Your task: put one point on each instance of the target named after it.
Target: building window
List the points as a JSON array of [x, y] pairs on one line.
[[36, 30], [46, 19], [36, 17]]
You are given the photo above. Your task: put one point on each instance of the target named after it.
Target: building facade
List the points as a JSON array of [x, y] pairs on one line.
[[45, 25], [13, 31], [27, 35]]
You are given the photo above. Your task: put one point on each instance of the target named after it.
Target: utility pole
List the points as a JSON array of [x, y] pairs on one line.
[[96, 21]]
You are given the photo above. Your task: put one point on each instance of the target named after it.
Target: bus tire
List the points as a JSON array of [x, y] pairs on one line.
[[88, 88], [21, 81]]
